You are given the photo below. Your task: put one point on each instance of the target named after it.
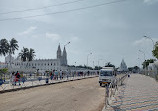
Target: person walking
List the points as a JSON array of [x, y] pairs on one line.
[[67, 74], [51, 75], [17, 78], [56, 75], [60, 75], [12, 78]]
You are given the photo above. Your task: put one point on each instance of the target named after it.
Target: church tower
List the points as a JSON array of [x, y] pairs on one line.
[[59, 52], [64, 57], [123, 66]]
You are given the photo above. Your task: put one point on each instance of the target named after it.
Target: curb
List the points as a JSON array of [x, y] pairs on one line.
[[29, 87]]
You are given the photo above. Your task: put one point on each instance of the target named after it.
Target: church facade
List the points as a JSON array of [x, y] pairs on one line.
[[60, 63], [123, 66]]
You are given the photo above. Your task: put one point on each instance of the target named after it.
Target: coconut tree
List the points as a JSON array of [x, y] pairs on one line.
[[27, 54], [13, 45], [24, 54], [155, 51], [31, 54], [4, 47]]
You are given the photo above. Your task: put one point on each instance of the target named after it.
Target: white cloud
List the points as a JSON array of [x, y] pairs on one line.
[[28, 31], [150, 1], [74, 39], [52, 36]]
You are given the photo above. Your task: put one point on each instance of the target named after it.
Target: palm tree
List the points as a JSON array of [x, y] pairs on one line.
[[4, 47], [27, 54], [24, 54], [109, 65], [13, 45], [31, 54]]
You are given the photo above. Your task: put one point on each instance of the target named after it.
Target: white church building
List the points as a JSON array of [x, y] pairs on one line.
[[60, 63], [123, 66]]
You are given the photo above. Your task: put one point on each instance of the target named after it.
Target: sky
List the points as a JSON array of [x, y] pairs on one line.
[[111, 32]]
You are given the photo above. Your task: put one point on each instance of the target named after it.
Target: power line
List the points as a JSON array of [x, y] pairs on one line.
[[63, 11], [33, 9]]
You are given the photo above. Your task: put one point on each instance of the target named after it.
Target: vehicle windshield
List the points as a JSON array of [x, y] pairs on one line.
[[106, 73]]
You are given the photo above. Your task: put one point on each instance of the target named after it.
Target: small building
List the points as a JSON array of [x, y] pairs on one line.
[[153, 69]]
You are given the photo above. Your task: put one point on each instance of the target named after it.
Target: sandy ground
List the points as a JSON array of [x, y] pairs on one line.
[[81, 95]]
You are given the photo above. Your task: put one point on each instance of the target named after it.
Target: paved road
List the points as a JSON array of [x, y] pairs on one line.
[[81, 95], [140, 93]]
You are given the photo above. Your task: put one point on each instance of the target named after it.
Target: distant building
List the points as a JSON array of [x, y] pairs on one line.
[[153, 69], [60, 63], [123, 66], [2, 65]]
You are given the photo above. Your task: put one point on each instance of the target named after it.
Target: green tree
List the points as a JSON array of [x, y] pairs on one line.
[[8, 48], [109, 65], [136, 68], [4, 47], [3, 72], [27, 54], [130, 68], [155, 51], [97, 68], [13, 45], [146, 62], [31, 54], [24, 54]]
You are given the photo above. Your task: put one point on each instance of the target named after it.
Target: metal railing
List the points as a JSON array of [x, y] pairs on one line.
[[32, 80], [110, 90]]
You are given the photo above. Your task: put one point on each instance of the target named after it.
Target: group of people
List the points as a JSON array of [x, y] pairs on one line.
[[55, 75], [16, 78]]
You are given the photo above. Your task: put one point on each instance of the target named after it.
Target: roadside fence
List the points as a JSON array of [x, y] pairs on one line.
[[112, 88], [34, 80]]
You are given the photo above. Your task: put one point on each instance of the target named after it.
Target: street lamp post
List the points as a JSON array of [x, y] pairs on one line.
[[66, 44], [98, 63], [151, 40], [139, 63], [75, 70], [144, 60], [87, 57], [93, 65]]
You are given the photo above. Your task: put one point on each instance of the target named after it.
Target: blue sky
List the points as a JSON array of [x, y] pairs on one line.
[[111, 32]]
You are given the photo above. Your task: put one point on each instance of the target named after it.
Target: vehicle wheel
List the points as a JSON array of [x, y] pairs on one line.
[[100, 84]]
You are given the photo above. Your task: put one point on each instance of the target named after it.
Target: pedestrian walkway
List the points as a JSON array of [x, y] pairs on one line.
[[36, 82], [139, 93]]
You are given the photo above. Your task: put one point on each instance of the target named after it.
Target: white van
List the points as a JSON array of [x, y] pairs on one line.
[[107, 75]]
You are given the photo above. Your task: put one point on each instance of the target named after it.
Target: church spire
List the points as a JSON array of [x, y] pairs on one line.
[[64, 51], [59, 52], [64, 56]]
